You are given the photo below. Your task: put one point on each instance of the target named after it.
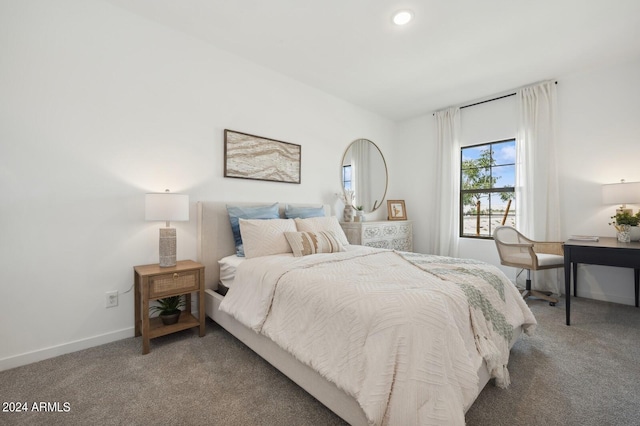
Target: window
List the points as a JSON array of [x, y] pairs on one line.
[[487, 181], [346, 177]]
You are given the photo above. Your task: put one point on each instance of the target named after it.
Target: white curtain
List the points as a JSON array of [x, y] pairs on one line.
[[360, 169], [445, 226], [537, 193]]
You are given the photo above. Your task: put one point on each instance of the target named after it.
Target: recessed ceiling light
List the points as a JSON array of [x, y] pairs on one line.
[[402, 17]]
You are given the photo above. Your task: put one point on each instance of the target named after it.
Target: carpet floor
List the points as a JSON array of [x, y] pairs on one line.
[[585, 374]]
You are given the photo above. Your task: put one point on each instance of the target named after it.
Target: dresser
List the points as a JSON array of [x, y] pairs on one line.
[[388, 234]]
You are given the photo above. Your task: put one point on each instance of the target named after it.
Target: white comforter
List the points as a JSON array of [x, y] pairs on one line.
[[396, 337]]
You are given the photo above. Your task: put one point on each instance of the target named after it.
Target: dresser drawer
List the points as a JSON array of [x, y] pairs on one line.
[[176, 282], [393, 235]]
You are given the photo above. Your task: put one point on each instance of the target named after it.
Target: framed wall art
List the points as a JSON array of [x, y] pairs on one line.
[[254, 157], [396, 210]]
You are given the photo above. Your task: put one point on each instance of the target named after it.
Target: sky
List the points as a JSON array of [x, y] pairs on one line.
[[503, 153]]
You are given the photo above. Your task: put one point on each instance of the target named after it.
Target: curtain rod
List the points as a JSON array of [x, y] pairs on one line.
[[489, 100]]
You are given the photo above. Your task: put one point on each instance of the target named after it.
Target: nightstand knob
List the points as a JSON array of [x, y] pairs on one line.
[[175, 276]]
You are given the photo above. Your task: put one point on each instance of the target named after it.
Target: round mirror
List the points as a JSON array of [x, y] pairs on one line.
[[364, 172]]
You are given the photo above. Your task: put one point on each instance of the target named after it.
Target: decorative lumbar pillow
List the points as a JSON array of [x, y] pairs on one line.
[[316, 224], [303, 212], [306, 243], [236, 213], [265, 237]]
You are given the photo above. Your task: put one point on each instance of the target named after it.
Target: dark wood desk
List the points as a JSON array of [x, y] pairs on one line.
[[608, 251]]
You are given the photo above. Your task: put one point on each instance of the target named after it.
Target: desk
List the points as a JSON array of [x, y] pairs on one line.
[[608, 252]]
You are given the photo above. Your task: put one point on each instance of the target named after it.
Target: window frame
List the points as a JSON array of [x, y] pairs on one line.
[[489, 191], [344, 180]]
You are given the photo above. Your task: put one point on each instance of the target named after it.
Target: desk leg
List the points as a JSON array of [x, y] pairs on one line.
[[636, 277], [567, 287], [575, 279]]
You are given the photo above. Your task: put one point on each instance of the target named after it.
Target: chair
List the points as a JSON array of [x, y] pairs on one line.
[[519, 251]]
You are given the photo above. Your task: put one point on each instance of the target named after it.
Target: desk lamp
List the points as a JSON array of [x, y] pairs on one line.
[[622, 193]]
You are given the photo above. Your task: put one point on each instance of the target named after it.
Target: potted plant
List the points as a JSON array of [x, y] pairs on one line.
[[168, 309], [359, 213], [623, 222]]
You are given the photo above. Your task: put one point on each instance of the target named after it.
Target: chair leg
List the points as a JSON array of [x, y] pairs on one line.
[[544, 295]]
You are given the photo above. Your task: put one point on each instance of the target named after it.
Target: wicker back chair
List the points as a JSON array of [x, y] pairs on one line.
[[519, 251]]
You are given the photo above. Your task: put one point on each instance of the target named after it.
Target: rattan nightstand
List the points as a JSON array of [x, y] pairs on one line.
[[153, 282]]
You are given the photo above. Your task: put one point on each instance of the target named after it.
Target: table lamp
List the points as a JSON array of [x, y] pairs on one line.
[[166, 206], [622, 193]]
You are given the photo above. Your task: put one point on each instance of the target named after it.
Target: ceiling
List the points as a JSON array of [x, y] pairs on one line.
[[454, 51]]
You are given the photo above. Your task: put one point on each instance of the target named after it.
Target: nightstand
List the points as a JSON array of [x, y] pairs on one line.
[[153, 282]]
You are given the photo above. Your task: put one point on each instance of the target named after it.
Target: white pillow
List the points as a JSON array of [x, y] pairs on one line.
[[306, 243], [264, 237], [316, 224], [228, 267]]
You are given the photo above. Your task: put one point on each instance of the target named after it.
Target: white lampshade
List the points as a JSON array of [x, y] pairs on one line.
[[166, 206], [621, 193]]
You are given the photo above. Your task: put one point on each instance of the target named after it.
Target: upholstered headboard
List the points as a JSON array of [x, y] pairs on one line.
[[215, 239]]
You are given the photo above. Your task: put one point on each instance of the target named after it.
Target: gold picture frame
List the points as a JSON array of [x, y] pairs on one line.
[[396, 210]]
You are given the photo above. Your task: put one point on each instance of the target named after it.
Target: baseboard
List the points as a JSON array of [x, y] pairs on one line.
[[587, 292], [66, 348], [598, 295]]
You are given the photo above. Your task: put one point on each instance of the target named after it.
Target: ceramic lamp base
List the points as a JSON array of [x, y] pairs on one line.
[[167, 247]]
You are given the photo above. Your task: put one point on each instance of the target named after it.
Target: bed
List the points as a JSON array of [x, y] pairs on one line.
[[400, 384]]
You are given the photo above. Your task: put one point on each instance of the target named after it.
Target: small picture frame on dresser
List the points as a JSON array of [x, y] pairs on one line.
[[396, 210]]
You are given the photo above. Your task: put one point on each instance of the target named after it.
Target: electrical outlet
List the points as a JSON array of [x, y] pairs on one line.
[[111, 299]]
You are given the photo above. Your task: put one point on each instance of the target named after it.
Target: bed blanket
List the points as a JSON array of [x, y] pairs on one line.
[[403, 333]]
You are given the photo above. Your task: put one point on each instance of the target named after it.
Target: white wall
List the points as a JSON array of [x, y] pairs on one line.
[[600, 134], [597, 143], [98, 107], [414, 154]]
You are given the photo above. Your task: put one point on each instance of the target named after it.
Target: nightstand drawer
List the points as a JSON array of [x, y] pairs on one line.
[[166, 284]]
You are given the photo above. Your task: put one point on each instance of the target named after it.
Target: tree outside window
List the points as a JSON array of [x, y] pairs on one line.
[[487, 188]]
